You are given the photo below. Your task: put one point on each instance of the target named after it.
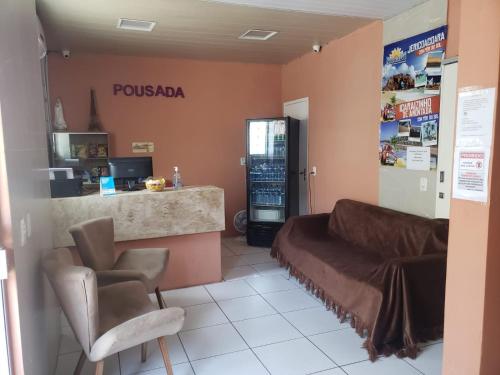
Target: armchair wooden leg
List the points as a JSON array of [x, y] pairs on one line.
[[144, 352], [164, 353], [159, 297], [81, 362], [99, 368]]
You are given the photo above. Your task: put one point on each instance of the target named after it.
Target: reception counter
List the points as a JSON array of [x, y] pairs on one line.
[[188, 221]]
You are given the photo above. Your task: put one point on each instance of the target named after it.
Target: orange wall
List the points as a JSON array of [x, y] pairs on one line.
[[472, 327], [453, 28], [204, 134], [343, 86]]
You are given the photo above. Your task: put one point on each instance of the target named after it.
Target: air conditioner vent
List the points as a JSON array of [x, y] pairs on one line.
[[136, 25], [258, 34]]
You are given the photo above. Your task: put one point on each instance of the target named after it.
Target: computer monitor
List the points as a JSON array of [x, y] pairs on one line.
[[130, 170]]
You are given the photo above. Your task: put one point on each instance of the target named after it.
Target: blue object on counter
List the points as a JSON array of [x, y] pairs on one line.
[[107, 185]]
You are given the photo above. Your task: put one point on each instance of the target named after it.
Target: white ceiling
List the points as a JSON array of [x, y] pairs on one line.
[[382, 9], [201, 29]]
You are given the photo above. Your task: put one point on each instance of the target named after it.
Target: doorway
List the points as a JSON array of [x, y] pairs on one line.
[[299, 109], [446, 137]]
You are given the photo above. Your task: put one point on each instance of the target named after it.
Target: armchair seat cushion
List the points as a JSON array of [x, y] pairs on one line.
[[120, 302], [145, 265]]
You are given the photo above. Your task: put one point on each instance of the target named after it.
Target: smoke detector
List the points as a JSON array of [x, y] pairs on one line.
[[258, 34], [136, 25]]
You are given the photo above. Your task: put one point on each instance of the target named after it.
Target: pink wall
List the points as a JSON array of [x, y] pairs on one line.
[[343, 86], [204, 134], [472, 327]]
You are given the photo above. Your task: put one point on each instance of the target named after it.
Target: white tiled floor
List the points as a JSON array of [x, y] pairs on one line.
[[257, 322]]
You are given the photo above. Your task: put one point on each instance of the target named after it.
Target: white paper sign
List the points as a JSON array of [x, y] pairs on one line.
[[475, 118], [470, 174], [418, 158], [475, 110]]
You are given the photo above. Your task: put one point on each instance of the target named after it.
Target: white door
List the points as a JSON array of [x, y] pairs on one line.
[[299, 109], [446, 137]]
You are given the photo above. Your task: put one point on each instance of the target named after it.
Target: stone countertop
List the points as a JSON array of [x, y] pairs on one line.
[[143, 214]]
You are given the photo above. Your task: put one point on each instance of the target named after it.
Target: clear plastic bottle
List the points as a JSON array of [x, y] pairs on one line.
[[177, 182]]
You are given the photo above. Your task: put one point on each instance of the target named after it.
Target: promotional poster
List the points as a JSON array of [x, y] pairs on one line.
[[409, 111]]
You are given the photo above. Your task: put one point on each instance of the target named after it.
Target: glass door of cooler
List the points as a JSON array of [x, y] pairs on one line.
[[267, 170]]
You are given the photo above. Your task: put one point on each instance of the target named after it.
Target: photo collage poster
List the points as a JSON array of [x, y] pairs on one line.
[[409, 110]]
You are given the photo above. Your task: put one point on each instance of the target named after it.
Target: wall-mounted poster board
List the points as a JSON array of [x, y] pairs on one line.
[[409, 111]]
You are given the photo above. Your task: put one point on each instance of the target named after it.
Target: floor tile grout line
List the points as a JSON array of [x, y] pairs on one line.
[[307, 338], [409, 364], [246, 343], [185, 352], [328, 369], [119, 363], [304, 336]]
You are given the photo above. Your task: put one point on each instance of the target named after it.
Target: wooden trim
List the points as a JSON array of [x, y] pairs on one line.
[[99, 368], [144, 352], [164, 353], [81, 362]]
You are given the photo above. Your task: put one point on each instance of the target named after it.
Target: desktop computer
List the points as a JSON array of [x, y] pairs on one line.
[[128, 172]]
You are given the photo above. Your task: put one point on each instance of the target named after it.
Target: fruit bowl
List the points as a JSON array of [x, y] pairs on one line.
[[155, 184]]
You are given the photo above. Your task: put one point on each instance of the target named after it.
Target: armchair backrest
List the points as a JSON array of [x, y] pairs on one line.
[[388, 232], [76, 290], [94, 240]]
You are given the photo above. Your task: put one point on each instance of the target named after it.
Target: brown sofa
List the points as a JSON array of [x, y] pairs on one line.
[[384, 269]]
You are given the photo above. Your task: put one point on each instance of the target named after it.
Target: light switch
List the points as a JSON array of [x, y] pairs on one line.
[[22, 229], [314, 171], [423, 183], [243, 161]]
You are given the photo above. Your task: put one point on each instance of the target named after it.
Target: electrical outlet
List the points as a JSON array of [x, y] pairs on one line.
[[314, 171], [243, 161], [423, 183]]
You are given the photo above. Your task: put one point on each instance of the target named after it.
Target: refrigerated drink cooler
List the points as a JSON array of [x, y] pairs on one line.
[[272, 177]]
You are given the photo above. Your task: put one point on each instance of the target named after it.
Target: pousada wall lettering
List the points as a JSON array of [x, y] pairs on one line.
[[148, 91]]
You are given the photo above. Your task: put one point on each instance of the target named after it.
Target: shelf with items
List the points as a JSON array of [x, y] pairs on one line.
[[86, 153], [268, 181], [268, 205]]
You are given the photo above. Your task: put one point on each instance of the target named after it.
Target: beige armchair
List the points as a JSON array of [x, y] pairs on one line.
[[94, 240], [108, 319]]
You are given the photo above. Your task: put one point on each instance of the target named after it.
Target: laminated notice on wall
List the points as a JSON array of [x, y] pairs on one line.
[[475, 109], [475, 118], [470, 173]]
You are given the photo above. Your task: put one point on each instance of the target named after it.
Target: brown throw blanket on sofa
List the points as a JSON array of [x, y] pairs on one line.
[[383, 268]]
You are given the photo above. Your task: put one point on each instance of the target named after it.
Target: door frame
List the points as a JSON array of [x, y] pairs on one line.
[[303, 160], [6, 354]]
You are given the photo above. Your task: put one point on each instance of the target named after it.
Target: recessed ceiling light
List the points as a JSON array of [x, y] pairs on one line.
[[258, 34], [136, 25]]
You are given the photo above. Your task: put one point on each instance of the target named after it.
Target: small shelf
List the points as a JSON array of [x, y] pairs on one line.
[[268, 205], [268, 157]]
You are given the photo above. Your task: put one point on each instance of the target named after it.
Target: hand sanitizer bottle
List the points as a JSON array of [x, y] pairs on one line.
[[177, 178]]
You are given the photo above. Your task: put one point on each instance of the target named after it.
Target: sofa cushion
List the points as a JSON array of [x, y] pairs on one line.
[[388, 232]]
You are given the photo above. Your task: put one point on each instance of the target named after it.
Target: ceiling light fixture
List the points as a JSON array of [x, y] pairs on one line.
[[258, 34], [136, 25]]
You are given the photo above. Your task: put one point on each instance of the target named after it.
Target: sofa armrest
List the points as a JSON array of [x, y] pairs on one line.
[[424, 282], [308, 223], [300, 226]]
